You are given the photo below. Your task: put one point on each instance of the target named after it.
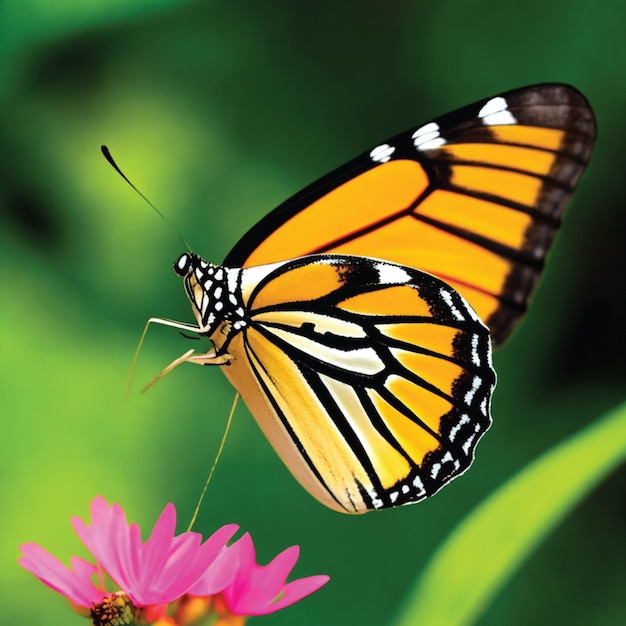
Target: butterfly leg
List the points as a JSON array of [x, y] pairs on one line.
[[208, 358], [164, 322]]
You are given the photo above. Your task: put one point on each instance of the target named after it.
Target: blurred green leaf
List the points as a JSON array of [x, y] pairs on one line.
[[491, 544], [30, 22]]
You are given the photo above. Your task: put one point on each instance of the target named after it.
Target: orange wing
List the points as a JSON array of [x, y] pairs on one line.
[[474, 197]]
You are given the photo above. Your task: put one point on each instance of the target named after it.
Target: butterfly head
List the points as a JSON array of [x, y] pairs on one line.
[[213, 292]]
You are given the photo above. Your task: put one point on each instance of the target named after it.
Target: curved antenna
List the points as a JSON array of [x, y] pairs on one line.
[[115, 166]]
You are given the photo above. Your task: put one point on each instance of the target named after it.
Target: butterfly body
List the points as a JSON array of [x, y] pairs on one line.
[[357, 318]]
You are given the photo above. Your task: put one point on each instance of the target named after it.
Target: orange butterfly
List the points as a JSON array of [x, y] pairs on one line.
[[356, 319]]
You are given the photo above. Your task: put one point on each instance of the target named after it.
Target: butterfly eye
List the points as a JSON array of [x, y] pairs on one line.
[[182, 265]]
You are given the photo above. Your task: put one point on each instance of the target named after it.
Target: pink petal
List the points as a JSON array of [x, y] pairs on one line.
[[243, 551], [205, 564], [109, 539], [223, 566], [255, 589], [156, 550], [295, 591], [75, 583], [276, 571]]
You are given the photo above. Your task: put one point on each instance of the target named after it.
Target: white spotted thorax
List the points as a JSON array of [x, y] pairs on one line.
[[213, 291]]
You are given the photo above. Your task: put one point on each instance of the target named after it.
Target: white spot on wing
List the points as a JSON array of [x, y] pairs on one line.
[[392, 274], [382, 153], [427, 137], [467, 446], [469, 396], [419, 485], [475, 354], [495, 113], [446, 458], [447, 298], [377, 503], [454, 431]]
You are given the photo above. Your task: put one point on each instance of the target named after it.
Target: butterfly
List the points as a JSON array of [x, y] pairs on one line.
[[357, 319]]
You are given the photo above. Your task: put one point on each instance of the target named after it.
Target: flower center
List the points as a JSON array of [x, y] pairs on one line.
[[114, 610]]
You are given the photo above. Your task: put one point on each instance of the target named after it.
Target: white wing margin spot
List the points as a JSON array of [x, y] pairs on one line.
[[427, 137], [495, 113], [392, 274], [447, 298], [382, 153]]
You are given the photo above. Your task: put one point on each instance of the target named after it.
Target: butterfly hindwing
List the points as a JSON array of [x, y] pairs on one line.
[[474, 197], [372, 381]]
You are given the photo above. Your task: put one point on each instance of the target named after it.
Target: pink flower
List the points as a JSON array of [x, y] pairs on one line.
[[156, 572], [169, 579]]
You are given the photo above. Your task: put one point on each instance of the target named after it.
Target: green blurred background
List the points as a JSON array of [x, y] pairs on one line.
[[218, 111]]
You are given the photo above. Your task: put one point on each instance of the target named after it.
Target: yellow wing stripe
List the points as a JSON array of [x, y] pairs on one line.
[[365, 200], [497, 222], [443, 254], [398, 300], [528, 159], [413, 439], [544, 138], [313, 428], [297, 286], [389, 464], [432, 337], [512, 186], [428, 406], [433, 369]]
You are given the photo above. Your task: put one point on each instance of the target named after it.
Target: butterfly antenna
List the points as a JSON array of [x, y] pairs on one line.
[[115, 166], [217, 458]]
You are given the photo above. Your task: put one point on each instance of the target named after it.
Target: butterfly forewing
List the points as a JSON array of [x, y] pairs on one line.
[[372, 381], [474, 197]]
